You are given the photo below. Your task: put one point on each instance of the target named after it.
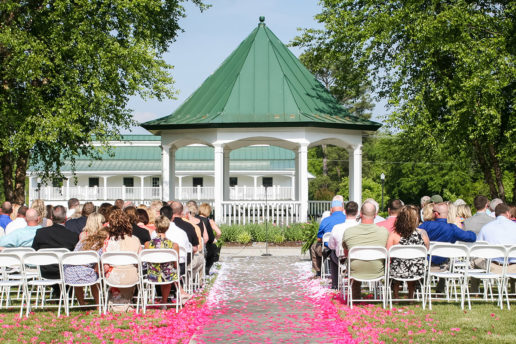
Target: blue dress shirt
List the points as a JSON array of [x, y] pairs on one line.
[[327, 224], [501, 231], [441, 230], [4, 220]]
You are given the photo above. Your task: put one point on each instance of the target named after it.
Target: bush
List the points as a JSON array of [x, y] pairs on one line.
[[243, 237], [260, 232]]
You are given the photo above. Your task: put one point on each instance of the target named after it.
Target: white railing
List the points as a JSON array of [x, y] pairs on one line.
[[246, 193], [242, 212], [317, 208], [96, 193], [195, 192]]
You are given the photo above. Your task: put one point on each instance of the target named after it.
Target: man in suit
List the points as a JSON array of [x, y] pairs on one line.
[[77, 225], [480, 219], [55, 236]]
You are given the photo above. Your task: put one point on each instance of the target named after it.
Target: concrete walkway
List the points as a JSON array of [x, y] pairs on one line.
[[266, 300], [259, 248]]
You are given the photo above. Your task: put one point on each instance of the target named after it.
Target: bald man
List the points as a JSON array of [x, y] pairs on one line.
[[22, 237], [365, 234]]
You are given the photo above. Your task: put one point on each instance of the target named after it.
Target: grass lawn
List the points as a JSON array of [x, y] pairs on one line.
[[445, 323]]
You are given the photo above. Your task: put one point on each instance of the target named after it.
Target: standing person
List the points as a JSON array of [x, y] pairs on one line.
[[480, 219], [5, 214], [405, 232], [121, 240], [335, 243], [91, 239], [18, 222], [214, 234], [365, 234], [77, 225], [393, 208], [316, 250], [22, 237]]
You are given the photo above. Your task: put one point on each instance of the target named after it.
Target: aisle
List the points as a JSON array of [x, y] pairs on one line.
[[270, 300]]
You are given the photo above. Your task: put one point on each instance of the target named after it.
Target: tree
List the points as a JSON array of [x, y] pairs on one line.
[[67, 70], [447, 69]]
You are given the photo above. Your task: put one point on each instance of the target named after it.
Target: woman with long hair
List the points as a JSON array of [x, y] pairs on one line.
[[91, 239], [143, 221], [39, 206], [406, 233]]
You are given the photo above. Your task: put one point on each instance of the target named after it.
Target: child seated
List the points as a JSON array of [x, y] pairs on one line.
[[164, 272]]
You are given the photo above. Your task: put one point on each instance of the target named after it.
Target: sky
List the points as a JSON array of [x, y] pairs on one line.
[[209, 37]]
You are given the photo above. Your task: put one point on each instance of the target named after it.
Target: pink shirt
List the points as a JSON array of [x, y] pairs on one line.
[[388, 223]]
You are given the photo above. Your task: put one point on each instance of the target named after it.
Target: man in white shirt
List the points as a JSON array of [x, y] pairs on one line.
[[335, 243], [19, 221], [176, 235]]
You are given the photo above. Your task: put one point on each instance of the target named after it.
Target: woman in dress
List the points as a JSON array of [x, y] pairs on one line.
[[406, 233], [165, 272], [91, 238], [214, 233], [121, 240]]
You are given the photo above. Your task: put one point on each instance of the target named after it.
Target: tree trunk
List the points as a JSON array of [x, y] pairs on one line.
[[7, 174], [488, 177], [497, 171], [324, 161], [19, 178]]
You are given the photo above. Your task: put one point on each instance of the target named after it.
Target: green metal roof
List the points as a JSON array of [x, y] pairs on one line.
[[260, 84], [191, 158]]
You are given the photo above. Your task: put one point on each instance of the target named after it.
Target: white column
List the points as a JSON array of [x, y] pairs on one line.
[[168, 171], [293, 188], [296, 176], [218, 184], [180, 187], [31, 189], [255, 190], [142, 180], [355, 174], [67, 188], [105, 186], [303, 180], [226, 174]]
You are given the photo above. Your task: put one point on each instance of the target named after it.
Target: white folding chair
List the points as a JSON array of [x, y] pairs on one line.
[[160, 256], [183, 255], [58, 250], [452, 252], [407, 252], [81, 258], [325, 267], [117, 259], [489, 252], [16, 273], [39, 259], [8, 262], [189, 267], [510, 257], [367, 253]]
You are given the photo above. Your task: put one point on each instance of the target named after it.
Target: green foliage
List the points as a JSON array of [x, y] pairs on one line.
[[243, 237], [309, 235], [259, 232], [448, 72], [67, 70]]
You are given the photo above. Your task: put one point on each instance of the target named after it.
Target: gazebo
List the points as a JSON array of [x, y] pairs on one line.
[[261, 95]]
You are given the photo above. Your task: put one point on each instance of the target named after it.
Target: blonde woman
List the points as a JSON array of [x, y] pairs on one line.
[[39, 206], [154, 209], [14, 214], [428, 212], [463, 212], [452, 215], [214, 233], [94, 223]]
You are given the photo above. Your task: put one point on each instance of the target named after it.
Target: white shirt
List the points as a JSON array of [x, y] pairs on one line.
[[177, 236], [18, 223], [70, 212], [337, 233]]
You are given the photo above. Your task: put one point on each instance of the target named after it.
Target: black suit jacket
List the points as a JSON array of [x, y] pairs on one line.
[[55, 236], [76, 225]]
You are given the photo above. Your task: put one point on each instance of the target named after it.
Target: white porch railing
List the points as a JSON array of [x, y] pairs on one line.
[[96, 193], [246, 193], [195, 192], [317, 208], [242, 212]]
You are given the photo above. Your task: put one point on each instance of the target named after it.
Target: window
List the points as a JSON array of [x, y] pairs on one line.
[[233, 181], [197, 181], [128, 182], [267, 181], [93, 181], [155, 182]]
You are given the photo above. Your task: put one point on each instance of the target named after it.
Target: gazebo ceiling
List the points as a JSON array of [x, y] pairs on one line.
[[261, 84]]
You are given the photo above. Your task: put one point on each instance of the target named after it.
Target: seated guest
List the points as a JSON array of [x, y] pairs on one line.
[[176, 235], [141, 233], [316, 250], [480, 219], [393, 208], [501, 231], [39, 205], [492, 207], [377, 218], [144, 221], [423, 202], [165, 272], [73, 206], [405, 232], [77, 224], [463, 213], [121, 240], [335, 243], [91, 239], [22, 237], [119, 203], [453, 215], [428, 213], [365, 234], [18, 222], [189, 229], [513, 212], [5, 214]]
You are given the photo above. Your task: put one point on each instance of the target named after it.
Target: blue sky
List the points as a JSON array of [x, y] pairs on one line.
[[209, 37]]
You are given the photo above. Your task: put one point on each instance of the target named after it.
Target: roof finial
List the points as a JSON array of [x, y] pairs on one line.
[[262, 20]]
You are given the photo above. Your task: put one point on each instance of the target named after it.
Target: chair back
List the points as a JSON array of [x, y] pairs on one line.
[[56, 250], [9, 260], [80, 258], [326, 238], [40, 258], [159, 256], [183, 253], [469, 244], [487, 251], [367, 253], [20, 251], [449, 250], [120, 258], [408, 251]]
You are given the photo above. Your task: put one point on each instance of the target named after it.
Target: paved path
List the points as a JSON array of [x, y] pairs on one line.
[[268, 300]]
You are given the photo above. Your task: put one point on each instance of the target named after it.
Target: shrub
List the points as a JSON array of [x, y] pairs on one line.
[[244, 237]]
